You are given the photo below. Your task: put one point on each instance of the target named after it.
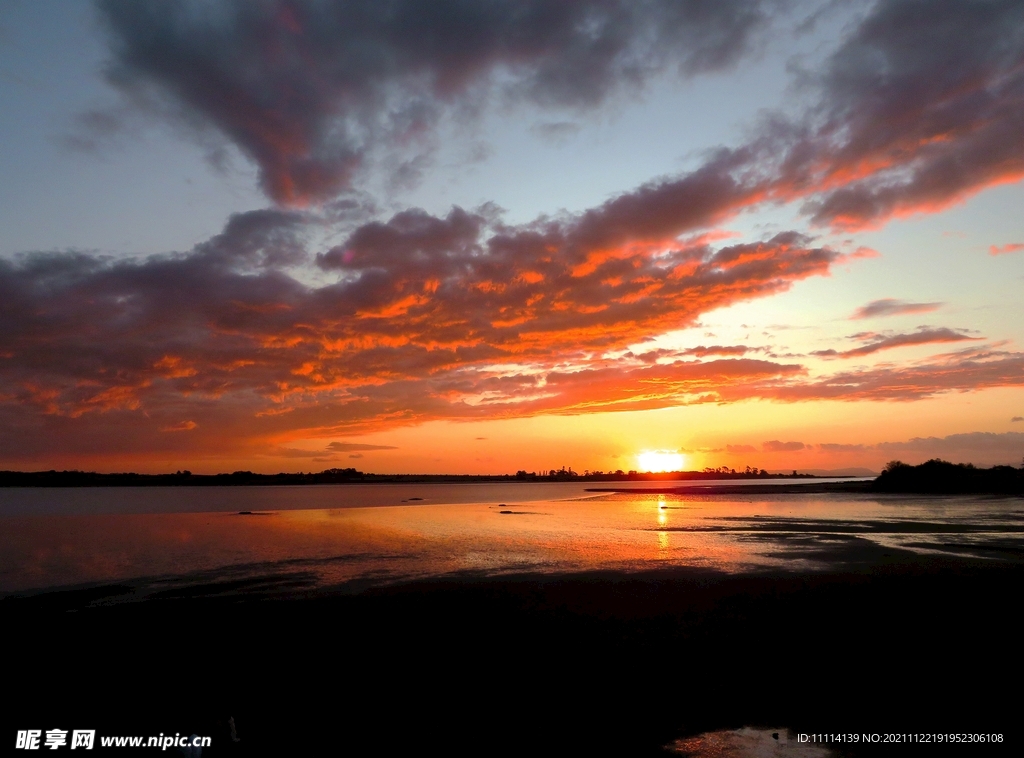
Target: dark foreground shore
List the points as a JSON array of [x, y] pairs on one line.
[[598, 664]]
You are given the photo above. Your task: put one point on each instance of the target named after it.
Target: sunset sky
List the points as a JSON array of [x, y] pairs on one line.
[[480, 236]]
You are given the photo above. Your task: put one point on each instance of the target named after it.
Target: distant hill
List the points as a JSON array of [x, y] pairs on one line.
[[942, 477]]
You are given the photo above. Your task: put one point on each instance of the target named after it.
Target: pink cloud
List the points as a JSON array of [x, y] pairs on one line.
[[1012, 247]]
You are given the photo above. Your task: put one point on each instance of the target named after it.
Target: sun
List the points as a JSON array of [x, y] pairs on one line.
[[660, 460]]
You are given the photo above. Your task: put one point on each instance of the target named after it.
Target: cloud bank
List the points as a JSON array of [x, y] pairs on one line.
[[431, 317], [917, 109], [454, 317], [313, 90]]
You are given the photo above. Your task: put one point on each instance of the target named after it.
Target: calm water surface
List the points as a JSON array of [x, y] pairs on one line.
[[194, 539]]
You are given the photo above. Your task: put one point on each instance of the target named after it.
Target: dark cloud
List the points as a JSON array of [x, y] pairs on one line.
[[957, 372], [700, 351], [917, 109], [310, 89], [740, 449], [259, 239], [294, 452], [982, 448], [662, 354], [833, 447], [347, 447], [921, 337], [1016, 418], [890, 307], [651, 356], [776, 446], [985, 448], [921, 107]]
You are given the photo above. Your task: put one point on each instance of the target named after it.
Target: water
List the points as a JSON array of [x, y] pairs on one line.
[[157, 540], [50, 501]]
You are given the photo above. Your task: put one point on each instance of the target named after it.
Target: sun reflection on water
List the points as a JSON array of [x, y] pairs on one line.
[[616, 531]]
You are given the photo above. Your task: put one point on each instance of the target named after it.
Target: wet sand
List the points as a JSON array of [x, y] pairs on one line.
[[595, 663]]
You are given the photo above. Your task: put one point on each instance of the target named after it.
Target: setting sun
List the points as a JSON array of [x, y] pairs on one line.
[[660, 460]]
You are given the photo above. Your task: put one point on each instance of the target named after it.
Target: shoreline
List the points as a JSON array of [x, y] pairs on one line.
[[44, 479]]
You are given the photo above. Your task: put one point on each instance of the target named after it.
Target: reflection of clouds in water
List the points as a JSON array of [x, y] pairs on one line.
[[747, 743], [226, 553]]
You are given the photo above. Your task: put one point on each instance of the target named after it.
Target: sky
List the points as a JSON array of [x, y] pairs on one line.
[[476, 236]]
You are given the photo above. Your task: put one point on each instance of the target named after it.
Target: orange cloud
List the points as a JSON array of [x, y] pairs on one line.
[[184, 426], [262, 358], [258, 354]]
